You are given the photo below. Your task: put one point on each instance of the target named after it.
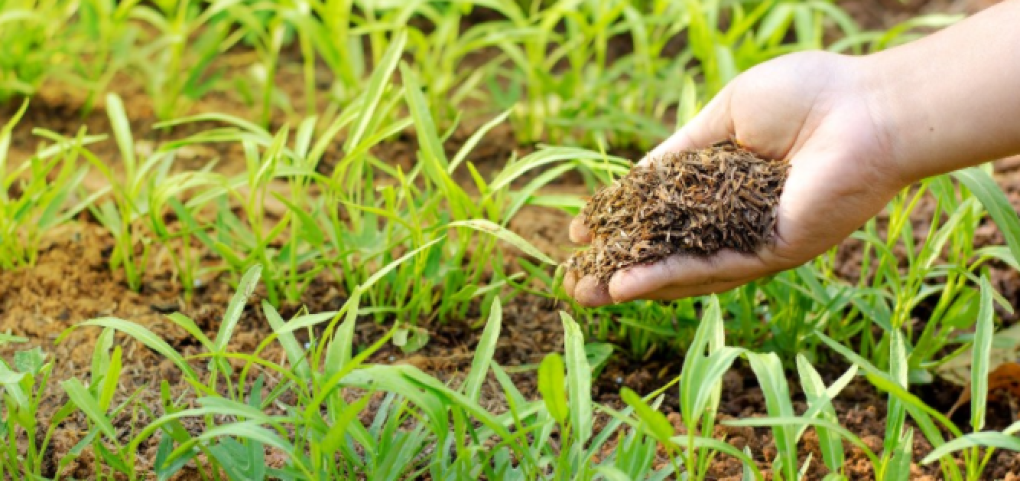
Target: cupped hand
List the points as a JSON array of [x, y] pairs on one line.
[[814, 109]]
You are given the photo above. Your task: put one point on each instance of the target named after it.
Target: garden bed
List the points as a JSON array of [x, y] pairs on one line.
[[72, 282]]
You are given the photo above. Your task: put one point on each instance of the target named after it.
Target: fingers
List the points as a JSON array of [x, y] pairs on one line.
[[687, 275], [674, 278], [579, 233], [586, 291], [684, 292]]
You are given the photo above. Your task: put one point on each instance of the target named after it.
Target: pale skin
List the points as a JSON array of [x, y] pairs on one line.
[[856, 131]]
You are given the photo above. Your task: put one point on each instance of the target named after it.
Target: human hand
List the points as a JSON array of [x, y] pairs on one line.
[[818, 111]]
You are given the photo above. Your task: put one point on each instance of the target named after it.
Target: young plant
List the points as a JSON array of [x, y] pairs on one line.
[[31, 45], [97, 402], [324, 389], [190, 37], [105, 41], [128, 193], [24, 443], [972, 443], [35, 193], [700, 386], [900, 275]]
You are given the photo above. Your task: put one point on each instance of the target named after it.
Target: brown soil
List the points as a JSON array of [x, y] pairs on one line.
[[72, 283]]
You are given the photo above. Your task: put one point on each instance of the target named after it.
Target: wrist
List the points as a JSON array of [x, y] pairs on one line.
[[895, 115], [949, 100]]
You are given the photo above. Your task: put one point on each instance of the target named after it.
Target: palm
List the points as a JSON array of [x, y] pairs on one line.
[[801, 108]]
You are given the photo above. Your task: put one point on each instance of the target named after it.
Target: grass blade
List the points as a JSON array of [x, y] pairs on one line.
[[983, 439], [233, 314], [578, 381], [505, 235], [81, 397], [995, 202], [769, 371], [484, 351], [143, 335], [551, 385], [982, 350]]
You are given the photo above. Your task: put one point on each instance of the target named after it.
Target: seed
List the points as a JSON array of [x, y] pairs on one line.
[[694, 203]]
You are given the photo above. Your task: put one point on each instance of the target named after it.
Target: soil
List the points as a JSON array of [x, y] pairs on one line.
[[71, 283]]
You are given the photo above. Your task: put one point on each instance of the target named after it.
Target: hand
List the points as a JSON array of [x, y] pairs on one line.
[[815, 109]]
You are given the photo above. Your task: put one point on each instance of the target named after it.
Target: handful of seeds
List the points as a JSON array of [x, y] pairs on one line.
[[692, 203]]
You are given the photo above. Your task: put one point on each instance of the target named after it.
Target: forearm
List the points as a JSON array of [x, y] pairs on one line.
[[951, 100]]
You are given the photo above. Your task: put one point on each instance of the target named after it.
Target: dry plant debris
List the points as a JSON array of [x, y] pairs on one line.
[[694, 202]]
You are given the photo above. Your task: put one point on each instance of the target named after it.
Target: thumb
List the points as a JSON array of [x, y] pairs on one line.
[[712, 124]]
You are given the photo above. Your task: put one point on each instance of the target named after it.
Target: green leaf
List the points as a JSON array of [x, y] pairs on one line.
[[428, 137], [30, 361], [290, 344], [769, 371], [339, 350], [8, 338], [982, 353], [578, 380], [818, 397], [331, 442], [984, 187], [653, 420], [122, 132], [236, 459], [410, 338], [983, 439], [249, 430], [505, 235], [164, 470], [11, 380], [112, 459], [393, 265], [144, 336], [81, 397], [375, 88], [899, 465], [110, 379], [236, 307], [484, 351], [598, 353], [552, 386]]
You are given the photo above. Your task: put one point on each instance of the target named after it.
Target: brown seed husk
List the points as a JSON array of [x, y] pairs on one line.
[[693, 203]]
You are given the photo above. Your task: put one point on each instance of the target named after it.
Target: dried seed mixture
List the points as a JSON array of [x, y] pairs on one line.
[[693, 203]]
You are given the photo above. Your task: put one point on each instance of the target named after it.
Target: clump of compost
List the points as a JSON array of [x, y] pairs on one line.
[[694, 203]]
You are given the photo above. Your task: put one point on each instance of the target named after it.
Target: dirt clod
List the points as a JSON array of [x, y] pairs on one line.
[[695, 202]]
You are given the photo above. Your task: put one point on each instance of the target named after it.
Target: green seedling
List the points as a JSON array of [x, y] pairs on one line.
[[32, 48], [189, 37], [36, 194], [322, 434], [105, 45], [24, 441], [130, 186]]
